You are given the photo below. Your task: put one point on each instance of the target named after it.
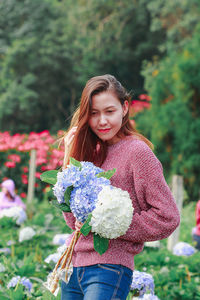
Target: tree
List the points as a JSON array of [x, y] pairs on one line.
[[36, 68], [173, 84], [51, 48], [111, 37]]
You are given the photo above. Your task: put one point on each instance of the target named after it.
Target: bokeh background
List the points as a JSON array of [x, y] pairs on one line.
[[50, 48], [48, 51]]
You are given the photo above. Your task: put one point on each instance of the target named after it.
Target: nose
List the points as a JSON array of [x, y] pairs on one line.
[[102, 119]]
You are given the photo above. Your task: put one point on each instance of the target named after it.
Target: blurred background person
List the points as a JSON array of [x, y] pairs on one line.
[[8, 198]]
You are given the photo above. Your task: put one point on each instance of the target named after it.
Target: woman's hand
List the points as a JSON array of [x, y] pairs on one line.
[[69, 137], [67, 141], [78, 225]]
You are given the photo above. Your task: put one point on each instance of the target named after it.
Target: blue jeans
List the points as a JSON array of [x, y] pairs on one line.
[[98, 282]]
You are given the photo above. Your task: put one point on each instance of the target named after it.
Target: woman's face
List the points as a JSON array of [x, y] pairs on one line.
[[6, 193], [4, 190], [106, 116]]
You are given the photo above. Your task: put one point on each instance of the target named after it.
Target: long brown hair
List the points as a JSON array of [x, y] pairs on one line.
[[84, 145]]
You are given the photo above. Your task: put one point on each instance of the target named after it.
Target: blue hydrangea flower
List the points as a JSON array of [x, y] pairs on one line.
[[13, 282], [142, 282], [183, 249], [73, 176], [17, 279], [26, 282], [83, 198]]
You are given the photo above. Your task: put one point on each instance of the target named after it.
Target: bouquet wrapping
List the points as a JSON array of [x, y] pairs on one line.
[[86, 191]]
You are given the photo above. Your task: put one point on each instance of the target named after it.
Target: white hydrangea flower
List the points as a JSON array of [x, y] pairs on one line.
[[113, 213], [15, 212], [62, 248], [52, 257], [5, 250], [2, 268], [60, 239], [153, 244], [26, 234]]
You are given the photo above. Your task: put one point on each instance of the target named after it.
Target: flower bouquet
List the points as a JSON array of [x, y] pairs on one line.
[[86, 191]]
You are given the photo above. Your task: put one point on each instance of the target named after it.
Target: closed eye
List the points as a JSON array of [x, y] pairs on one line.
[[93, 113]]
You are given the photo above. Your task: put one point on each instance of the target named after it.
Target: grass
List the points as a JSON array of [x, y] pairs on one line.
[[187, 222]]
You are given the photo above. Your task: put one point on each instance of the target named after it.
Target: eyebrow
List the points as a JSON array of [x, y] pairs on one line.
[[112, 106]]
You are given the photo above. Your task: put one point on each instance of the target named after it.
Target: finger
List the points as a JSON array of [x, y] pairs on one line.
[[69, 137]]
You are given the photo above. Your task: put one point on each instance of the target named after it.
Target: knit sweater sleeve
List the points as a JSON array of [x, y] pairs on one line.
[[162, 216], [69, 219]]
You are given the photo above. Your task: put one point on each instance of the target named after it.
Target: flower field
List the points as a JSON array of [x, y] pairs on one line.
[[25, 248], [26, 258], [175, 277], [15, 155]]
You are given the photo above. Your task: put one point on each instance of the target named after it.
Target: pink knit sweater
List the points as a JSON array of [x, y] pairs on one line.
[[155, 213]]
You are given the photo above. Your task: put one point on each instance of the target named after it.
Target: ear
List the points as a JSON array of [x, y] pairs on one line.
[[125, 107]]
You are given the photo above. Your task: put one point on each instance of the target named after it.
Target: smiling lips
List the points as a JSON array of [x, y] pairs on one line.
[[104, 130]]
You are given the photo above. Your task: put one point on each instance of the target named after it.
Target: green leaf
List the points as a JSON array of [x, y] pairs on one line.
[[67, 195], [100, 243], [107, 174], [18, 292], [49, 176], [75, 162], [3, 297], [86, 228], [63, 206]]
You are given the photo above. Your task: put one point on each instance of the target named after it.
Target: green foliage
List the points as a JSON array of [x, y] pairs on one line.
[[108, 174], [34, 60], [49, 176], [173, 84], [63, 206], [175, 277], [50, 49], [27, 258], [100, 244], [75, 163], [67, 195], [7, 222], [86, 228]]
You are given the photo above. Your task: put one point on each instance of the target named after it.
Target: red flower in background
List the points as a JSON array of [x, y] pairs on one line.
[[25, 169], [23, 195], [24, 179], [10, 164], [47, 156], [140, 104], [37, 174], [14, 158], [60, 133], [144, 97]]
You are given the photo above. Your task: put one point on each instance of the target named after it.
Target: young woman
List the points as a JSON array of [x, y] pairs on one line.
[[101, 132]]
